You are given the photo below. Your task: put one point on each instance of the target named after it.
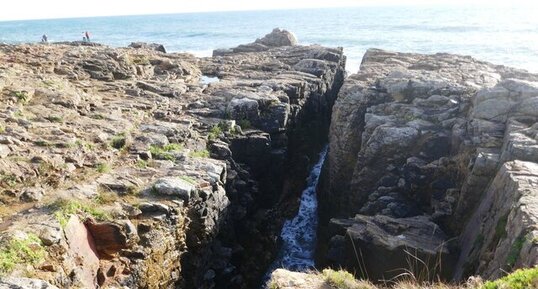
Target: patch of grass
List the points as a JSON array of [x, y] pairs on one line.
[[513, 255], [200, 154], [520, 279], [56, 119], [142, 164], [97, 116], [188, 179], [21, 251], [165, 152], [42, 143], [8, 180], [106, 197], [21, 95], [119, 141], [344, 280], [245, 124], [103, 168], [65, 208], [86, 145], [214, 132], [140, 59]]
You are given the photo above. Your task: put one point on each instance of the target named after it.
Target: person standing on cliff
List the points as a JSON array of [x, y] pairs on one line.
[[87, 35], [44, 38]]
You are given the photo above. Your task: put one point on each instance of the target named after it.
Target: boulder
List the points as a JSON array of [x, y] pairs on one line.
[[278, 37], [172, 186]]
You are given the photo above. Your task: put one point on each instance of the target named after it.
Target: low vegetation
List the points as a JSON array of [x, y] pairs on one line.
[[65, 208], [341, 279], [119, 141], [103, 168], [166, 152], [200, 154], [520, 279], [28, 250]]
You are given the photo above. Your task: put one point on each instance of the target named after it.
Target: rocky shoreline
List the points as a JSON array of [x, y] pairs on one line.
[[137, 168]]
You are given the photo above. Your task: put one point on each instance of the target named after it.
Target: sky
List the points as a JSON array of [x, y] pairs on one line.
[[44, 9]]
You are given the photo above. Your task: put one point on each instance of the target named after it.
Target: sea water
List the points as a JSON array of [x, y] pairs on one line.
[[500, 35]]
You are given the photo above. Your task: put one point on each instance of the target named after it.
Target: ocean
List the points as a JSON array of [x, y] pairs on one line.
[[500, 35]]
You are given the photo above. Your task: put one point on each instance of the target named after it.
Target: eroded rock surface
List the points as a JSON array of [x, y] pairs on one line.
[[431, 136], [172, 178]]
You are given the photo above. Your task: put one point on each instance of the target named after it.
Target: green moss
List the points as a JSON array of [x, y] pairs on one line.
[[103, 168], [64, 208], [2, 129], [520, 279], [513, 255], [166, 152], [200, 154], [21, 251]]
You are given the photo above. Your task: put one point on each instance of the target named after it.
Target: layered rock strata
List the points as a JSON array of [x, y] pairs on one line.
[[444, 138], [132, 167]]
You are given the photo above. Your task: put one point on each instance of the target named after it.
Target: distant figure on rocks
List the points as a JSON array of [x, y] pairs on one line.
[[44, 38], [87, 36]]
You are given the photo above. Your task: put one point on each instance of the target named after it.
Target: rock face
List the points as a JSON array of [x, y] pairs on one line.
[[277, 38], [384, 246], [135, 173], [427, 135]]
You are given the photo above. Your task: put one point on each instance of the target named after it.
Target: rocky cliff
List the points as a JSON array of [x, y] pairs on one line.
[[133, 167], [431, 158]]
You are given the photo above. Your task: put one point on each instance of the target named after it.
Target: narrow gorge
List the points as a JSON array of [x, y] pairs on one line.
[[136, 168]]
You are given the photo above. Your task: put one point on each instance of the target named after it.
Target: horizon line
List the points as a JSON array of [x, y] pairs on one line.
[[359, 5]]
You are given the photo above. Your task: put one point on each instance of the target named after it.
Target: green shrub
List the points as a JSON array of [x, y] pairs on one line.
[[520, 279], [21, 251], [119, 141]]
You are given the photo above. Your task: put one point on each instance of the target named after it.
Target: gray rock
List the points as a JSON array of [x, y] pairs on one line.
[[174, 187], [278, 37], [24, 283]]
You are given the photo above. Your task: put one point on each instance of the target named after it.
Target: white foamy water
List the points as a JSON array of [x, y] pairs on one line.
[[299, 234]]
